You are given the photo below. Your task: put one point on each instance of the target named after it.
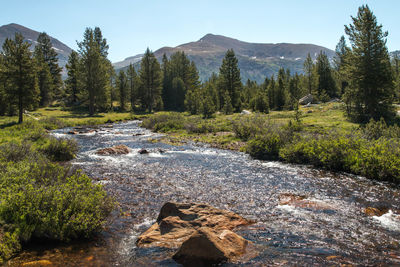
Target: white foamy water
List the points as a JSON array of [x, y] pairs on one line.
[[389, 220]]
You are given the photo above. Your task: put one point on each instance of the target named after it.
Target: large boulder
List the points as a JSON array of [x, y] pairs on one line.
[[306, 100], [180, 222], [115, 150], [206, 247]]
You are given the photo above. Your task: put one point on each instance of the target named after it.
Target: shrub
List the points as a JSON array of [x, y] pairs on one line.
[[15, 152], [249, 126], [331, 151], [164, 122], [52, 123], [265, 147], [199, 126], [45, 201], [62, 149], [9, 245], [377, 129]]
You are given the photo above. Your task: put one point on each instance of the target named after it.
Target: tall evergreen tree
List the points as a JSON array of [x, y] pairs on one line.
[[72, 82], [150, 81], [229, 79], [271, 93], [308, 70], [46, 55], [370, 92], [95, 66], [280, 95], [326, 83], [132, 83], [340, 64], [122, 88], [20, 73]]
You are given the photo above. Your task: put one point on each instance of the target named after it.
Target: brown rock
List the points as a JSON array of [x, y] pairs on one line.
[[301, 201], [73, 132], [370, 211], [38, 263], [115, 150], [178, 221], [206, 246]]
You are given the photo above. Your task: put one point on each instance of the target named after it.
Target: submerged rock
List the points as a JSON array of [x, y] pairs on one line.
[[143, 151], [206, 247], [198, 226], [115, 150]]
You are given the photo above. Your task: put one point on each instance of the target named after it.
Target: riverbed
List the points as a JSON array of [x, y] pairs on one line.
[[331, 228]]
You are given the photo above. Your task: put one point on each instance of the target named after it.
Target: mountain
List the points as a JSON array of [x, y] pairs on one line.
[[395, 54], [8, 31], [256, 60]]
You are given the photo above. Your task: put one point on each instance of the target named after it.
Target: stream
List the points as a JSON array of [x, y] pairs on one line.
[[332, 229]]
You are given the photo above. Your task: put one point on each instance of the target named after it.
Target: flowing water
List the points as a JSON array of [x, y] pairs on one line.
[[332, 229]]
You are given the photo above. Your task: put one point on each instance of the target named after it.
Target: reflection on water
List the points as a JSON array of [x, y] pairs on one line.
[[328, 226]]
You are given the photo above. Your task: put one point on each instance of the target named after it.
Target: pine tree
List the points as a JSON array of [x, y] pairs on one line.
[[229, 79], [326, 83], [227, 107], [46, 55], [370, 92], [271, 93], [20, 73], [150, 81], [280, 95], [308, 70], [340, 64], [72, 82], [132, 83], [167, 83], [95, 69], [122, 84]]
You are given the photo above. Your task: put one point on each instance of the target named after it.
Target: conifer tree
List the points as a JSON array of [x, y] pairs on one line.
[[72, 82], [340, 64], [280, 95], [95, 69], [150, 81], [20, 74], [370, 91], [271, 93], [308, 70], [229, 79], [227, 107], [326, 83], [46, 55], [122, 88], [132, 83]]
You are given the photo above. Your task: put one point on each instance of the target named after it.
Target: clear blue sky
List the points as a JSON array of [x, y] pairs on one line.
[[132, 26]]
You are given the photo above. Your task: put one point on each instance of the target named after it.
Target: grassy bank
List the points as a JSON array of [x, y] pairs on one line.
[[323, 138], [40, 198]]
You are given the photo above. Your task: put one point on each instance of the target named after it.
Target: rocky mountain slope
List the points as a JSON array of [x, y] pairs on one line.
[[256, 60], [9, 30]]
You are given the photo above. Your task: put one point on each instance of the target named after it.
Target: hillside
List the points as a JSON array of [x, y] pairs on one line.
[[8, 31], [256, 60]]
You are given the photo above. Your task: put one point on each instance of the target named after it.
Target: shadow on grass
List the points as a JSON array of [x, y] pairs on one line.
[[7, 124]]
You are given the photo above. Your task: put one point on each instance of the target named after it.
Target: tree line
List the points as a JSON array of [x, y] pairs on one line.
[[362, 75]]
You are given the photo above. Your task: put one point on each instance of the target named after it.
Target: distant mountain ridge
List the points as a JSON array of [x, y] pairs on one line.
[[9, 30], [256, 60]]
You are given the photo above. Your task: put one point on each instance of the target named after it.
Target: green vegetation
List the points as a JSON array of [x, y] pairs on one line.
[[40, 198]]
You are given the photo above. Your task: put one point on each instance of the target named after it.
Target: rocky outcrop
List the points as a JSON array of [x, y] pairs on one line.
[[115, 150], [206, 247], [370, 211], [306, 100], [143, 151], [196, 228]]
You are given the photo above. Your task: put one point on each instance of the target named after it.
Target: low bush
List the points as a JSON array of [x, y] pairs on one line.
[[43, 200], [199, 127], [164, 122], [52, 123], [265, 147], [249, 126], [60, 149]]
